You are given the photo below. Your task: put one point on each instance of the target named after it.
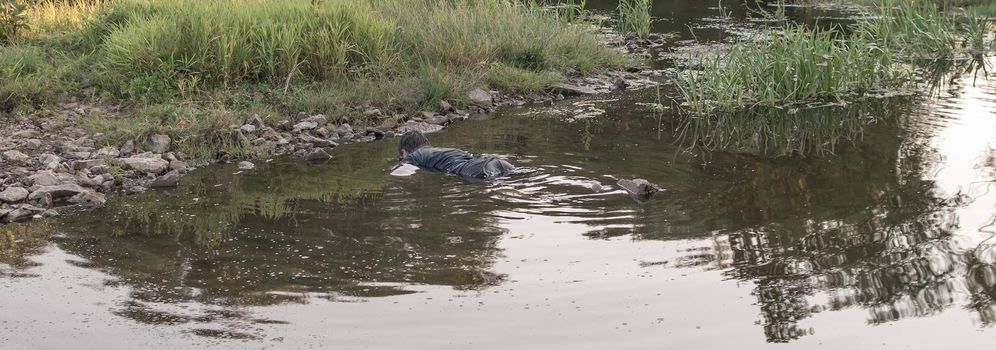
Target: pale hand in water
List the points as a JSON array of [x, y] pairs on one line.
[[404, 170]]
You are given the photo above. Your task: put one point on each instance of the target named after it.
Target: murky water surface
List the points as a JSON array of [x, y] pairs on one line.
[[887, 243]]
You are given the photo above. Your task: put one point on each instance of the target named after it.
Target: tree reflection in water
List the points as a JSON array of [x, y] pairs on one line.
[[868, 230]]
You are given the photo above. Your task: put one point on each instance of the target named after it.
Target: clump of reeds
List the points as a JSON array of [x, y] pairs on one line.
[[913, 29], [796, 66], [634, 17]]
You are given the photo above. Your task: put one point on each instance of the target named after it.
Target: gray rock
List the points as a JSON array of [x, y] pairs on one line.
[[318, 142], [246, 165], [25, 134], [127, 148], [254, 120], [323, 132], [445, 106], [480, 97], [57, 191], [145, 165], [41, 200], [15, 156], [101, 169], [344, 129], [159, 143], [22, 213], [419, 126], [621, 84], [13, 195], [49, 178], [388, 124], [148, 155], [89, 199], [88, 164], [438, 120], [248, 128], [572, 90], [268, 133], [178, 165], [108, 152], [318, 154], [50, 161], [373, 112], [78, 155], [318, 119], [72, 146], [305, 125], [93, 182], [169, 180], [32, 144]]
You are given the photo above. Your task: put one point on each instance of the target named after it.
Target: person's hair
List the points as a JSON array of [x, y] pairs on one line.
[[412, 141]]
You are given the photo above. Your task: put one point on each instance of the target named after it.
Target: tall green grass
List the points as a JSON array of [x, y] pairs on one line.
[[634, 17], [26, 78], [185, 47], [191, 44], [221, 58], [796, 66], [12, 19], [920, 29]]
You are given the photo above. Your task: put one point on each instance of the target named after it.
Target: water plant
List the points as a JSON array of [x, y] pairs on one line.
[[634, 17], [797, 66], [914, 29]]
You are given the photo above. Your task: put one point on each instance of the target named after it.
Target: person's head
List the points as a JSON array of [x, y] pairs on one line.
[[410, 142]]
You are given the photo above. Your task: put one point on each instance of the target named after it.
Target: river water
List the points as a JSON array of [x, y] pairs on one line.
[[880, 240]]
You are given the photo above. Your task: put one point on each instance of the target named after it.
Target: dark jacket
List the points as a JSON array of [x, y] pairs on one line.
[[458, 162]]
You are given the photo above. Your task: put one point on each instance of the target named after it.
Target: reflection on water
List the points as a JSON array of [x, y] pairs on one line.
[[740, 250]]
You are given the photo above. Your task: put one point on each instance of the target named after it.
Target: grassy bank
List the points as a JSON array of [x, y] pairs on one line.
[[188, 67], [800, 65]]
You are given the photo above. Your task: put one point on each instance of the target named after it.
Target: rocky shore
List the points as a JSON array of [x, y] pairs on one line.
[[48, 163]]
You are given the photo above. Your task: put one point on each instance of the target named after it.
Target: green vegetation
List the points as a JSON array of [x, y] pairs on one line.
[[190, 68], [26, 78], [634, 17], [922, 30], [798, 66], [12, 19], [806, 66]]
